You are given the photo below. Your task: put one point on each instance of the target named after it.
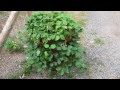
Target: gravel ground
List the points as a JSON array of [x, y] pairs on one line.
[[104, 59], [10, 64]]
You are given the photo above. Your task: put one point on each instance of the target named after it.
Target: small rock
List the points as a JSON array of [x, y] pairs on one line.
[[91, 42]]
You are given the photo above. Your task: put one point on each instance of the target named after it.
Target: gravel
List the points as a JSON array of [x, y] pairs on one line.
[[104, 59], [10, 64]]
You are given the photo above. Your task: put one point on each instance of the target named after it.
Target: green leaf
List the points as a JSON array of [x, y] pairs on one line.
[[46, 53], [57, 38], [39, 70], [65, 22], [80, 64], [38, 36], [81, 58], [44, 61], [62, 59], [65, 27], [61, 30], [58, 68], [30, 61], [34, 35], [68, 53], [46, 45], [58, 23], [53, 46], [58, 48], [66, 59], [51, 64], [53, 37], [58, 32], [45, 35], [77, 54], [64, 48], [69, 65], [62, 72], [77, 64], [38, 52], [49, 38], [55, 63], [50, 57], [66, 69], [84, 65], [70, 47], [59, 62], [58, 26], [62, 37], [75, 48], [44, 66]]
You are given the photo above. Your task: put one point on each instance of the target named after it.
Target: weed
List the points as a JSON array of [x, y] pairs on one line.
[[12, 46], [99, 41]]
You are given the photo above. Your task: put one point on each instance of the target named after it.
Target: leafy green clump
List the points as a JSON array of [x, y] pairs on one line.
[[52, 43], [12, 46]]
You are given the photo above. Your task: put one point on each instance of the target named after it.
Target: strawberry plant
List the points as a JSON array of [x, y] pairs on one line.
[[52, 43]]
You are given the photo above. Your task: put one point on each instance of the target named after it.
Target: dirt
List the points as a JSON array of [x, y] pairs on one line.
[[10, 64]]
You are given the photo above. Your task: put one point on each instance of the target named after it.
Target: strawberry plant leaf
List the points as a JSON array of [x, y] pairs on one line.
[[53, 46], [38, 52], [62, 37], [46, 45], [57, 38]]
